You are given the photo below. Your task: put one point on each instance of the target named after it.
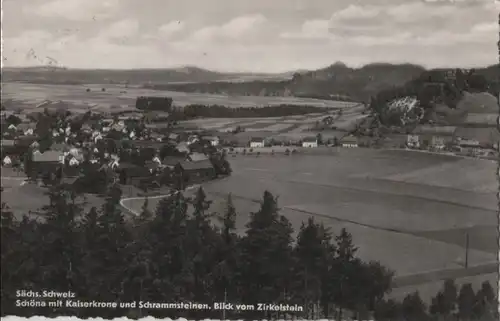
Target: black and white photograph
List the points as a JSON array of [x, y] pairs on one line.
[[250, 159]]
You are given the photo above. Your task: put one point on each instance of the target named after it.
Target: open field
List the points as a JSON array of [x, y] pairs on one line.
[[24, 198], [468, 174], [391, 221], [118, 95], [379, 213]]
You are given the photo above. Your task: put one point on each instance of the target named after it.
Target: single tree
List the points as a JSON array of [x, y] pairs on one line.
[[413, 308], [466, 300]]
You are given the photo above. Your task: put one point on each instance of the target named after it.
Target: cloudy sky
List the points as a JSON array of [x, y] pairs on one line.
[[248, 35]]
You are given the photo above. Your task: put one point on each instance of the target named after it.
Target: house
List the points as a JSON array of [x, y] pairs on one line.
[[196, 157], [50, 156], [172, 161], [49, 162], [27, 128], [257, 142], [310, 142], [394, 141], [473, 139], [328, 120], [197, 172], [413, 141], [214, 140], [192, 139], [173, 137], [59, 147], [131, 174], [437, 142], [73, 161], [7, 161], [8, 144], [183, 148], [156, 160], [86, 128], [153, 167], [349, 141]]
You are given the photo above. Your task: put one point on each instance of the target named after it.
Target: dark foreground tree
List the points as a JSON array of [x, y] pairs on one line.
[[266, 256]]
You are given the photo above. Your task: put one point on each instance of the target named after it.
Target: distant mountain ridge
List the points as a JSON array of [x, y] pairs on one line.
[[337, 81], [183, 74]]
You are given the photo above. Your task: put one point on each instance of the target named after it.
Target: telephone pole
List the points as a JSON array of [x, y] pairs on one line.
[[466, 250]]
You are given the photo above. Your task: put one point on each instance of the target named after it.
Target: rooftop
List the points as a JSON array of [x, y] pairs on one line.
[[48, 157], [310, 140], [203, 164], [482, 135], [7, 143]]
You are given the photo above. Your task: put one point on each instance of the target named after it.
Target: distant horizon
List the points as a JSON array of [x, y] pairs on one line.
[[248, 36], [249, 71]]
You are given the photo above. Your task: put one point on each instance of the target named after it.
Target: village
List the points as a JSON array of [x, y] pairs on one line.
[[55, 145], [87, 151]]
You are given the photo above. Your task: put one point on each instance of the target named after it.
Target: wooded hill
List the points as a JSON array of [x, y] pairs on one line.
[[337, 82]]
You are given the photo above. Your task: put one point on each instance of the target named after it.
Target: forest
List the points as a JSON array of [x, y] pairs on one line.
[[184, 252], [217, 111]]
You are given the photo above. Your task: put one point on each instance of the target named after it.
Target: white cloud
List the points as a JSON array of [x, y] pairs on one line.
[[311, 29], [235, 28], [171, 28], [120, 29], [356, 12], [75, 10], [486, 27], [398, 38]]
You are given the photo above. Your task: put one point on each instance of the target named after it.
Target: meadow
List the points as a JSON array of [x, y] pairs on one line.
[[32, 94], [353, 189]]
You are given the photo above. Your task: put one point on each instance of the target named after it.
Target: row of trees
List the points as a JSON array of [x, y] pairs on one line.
[[218, 111], [449, 304], [184, 252]]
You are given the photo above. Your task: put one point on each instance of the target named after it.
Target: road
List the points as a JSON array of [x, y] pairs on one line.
[[134, 212]]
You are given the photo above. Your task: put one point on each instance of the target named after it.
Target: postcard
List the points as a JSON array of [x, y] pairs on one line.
[[248, 160]]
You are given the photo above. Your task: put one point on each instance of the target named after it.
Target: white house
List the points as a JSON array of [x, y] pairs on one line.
[[214, 140], [438, 142], [349, 142], [7, 161], [29, 132], [114, 164], [73, 162], [257, 142], [413, 141], [310, 142], [97, 138], [192, 139]]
